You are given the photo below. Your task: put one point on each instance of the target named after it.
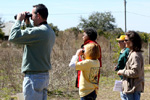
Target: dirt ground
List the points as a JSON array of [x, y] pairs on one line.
[[107, 93], [106, 90]]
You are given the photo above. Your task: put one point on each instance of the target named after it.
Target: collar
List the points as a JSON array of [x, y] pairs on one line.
[[88, 41], [45, 22], [131, 51], [122, 50]]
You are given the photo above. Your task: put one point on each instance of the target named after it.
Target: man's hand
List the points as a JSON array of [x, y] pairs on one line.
[[21, 16]]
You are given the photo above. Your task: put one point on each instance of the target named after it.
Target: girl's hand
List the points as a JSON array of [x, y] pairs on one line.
[[79, 52]]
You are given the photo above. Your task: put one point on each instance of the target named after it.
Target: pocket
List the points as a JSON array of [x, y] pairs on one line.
[[40, 83], [27, 86]]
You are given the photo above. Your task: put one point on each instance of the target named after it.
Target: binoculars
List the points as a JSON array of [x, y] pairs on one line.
[[27, 15]]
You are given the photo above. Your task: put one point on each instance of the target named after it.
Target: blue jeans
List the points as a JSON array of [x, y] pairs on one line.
[[133, 96], [123, 96], [35, 86], [91, 96]]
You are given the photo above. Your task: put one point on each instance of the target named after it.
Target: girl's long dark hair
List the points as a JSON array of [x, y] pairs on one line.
[[135, 38]]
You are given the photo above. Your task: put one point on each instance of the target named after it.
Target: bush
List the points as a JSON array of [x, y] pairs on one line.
[[1, 34]]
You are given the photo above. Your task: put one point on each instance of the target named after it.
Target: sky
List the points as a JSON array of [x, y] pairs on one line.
[[67, 13]]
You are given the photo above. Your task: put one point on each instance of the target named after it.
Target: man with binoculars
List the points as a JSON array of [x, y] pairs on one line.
[[38, 41]]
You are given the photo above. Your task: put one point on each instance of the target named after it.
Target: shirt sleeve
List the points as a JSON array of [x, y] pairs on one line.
[[73, 61], [27, 36], [82, 65], [135, 68]]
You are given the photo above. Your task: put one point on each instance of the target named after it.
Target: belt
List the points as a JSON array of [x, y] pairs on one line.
[[35, 72]]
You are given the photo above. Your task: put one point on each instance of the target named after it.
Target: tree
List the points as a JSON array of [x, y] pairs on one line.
[[103, 21], [1, 23], [144, 36], [75, 30], [55, 28], [1, 32]]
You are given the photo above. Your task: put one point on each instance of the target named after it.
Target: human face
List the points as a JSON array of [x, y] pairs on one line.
[[85, 37], [121, 44], [34, 17], [128, 42]]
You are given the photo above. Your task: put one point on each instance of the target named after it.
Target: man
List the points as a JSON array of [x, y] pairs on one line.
[[89, 36], [38, 41], [122, 58]]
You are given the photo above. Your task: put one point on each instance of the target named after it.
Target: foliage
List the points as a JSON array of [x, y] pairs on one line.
[[1, 32], [62, 78], [113, 44], [100, 32], [23, 26], [107, 34], [10, 80], [55, 28], [118, 31], [1, 23], [74, 30], [103, 21], [144, 36]]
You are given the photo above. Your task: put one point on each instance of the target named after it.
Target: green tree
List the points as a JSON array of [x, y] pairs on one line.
[[1, 23], [1, 32], [144, 36], [75, 30], [103, 21], [55, 28]]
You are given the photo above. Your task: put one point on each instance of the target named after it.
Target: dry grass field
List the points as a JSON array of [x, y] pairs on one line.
[[106, 89], [62, 78]]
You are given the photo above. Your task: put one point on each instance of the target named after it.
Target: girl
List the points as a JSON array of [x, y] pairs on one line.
[[89, 68]]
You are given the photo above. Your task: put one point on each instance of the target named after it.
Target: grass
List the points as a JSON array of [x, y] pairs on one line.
[[106, 89], [62, 78]]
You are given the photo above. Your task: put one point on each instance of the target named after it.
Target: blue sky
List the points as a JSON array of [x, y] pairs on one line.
[[66, 13]]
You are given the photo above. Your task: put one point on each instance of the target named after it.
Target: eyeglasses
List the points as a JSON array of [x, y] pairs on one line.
[[126, 40], [120, 41]]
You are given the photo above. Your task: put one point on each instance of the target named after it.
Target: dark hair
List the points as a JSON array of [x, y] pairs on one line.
[[42, 10], [91, 32], [136, 40]]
